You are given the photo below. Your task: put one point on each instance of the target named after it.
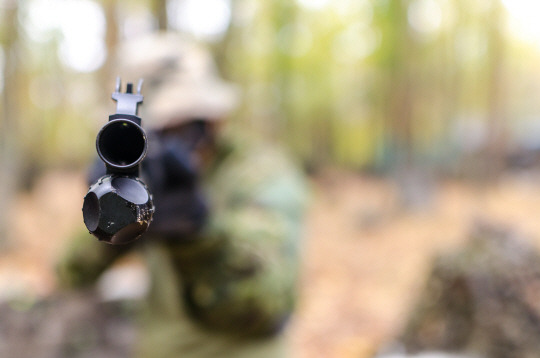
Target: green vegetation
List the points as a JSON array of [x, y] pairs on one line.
[[360, 84]]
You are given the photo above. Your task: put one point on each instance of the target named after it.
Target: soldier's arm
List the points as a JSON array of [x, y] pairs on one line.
[[85, 259], [241, 274]]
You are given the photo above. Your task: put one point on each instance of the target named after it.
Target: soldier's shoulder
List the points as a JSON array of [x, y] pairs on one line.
[[244, 152], [256, 170]]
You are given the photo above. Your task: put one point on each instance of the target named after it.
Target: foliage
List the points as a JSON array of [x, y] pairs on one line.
[[361, 84]]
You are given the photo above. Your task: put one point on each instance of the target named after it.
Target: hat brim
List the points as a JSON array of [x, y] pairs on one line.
[[182, 101]]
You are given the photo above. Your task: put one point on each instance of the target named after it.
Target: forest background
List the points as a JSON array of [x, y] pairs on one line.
[[388, 96]]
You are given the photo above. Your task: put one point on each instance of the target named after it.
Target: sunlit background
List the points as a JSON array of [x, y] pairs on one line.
[[391, 97], [335, 69]]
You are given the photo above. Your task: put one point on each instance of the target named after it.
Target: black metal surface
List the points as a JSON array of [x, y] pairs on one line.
[[118, 208], [121, 144]]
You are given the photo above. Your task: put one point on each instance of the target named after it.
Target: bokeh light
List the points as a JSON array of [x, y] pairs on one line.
[[523, 22], [425, 16], [206, 19], [78, 25], [314, 4]]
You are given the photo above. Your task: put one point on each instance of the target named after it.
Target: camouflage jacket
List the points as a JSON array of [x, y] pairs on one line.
[[239, 273]]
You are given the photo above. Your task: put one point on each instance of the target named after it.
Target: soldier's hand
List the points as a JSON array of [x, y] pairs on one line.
[[172, 174]]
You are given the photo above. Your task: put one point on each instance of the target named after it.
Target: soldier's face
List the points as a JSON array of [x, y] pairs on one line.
[[198, 135]]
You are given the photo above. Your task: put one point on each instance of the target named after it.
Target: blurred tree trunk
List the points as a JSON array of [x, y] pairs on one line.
[[221, 49], [9, 149], [452, 78], [107, 73], [493, 160], [159, 11], [399, 95], [283, 14]]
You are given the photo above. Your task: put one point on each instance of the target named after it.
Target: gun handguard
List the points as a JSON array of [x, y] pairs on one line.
[[118, 208]]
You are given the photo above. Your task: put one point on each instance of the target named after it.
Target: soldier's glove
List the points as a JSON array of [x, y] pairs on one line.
[[172, 174]]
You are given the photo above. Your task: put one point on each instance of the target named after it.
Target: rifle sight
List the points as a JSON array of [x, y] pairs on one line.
[[118, 208]]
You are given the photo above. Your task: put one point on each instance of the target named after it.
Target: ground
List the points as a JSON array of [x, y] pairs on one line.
[[364, 256]]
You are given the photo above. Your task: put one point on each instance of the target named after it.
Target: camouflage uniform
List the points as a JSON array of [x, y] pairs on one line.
[[229, 289]]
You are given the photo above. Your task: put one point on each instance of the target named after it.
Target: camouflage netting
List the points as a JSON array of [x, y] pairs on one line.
[[483, 299], [69, 325]]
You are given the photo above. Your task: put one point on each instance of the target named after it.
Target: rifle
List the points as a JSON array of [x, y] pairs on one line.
[[118, 208]]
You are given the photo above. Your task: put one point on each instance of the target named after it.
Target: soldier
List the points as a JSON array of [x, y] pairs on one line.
[[223, 247]]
